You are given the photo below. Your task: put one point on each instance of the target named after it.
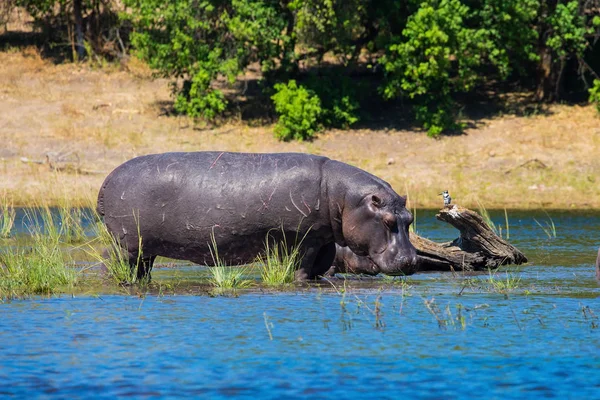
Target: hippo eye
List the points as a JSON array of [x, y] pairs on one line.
[[376, 201]]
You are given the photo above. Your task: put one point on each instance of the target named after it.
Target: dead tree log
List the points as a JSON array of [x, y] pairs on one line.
[[477, 248]]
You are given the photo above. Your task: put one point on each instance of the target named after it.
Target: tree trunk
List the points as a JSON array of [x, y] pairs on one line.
[[548, 71], [478, 248], [79, 40]]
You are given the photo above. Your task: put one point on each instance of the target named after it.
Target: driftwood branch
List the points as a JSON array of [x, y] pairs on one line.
[[477, 248], [67, 162]]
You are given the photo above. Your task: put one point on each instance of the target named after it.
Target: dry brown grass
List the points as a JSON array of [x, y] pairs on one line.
[[108, 115]]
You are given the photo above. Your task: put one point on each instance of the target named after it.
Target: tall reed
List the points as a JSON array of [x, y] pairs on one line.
[[105, 250], [280, 261], [71, 222], [497, 229], [7, 217], [224, 277], [495, 283], [43, 267], [549, 228], [486, 217]]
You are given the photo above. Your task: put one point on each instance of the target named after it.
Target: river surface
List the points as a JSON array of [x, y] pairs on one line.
[[435, 336]]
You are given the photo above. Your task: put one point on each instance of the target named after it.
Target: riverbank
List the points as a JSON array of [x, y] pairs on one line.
[[63, 128]]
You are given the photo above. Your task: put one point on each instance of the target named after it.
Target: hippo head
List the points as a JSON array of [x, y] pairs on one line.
[[377, 227]]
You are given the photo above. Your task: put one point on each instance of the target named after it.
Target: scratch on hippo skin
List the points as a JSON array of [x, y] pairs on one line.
[[123, 196], [121, 216], [297, 208], [306, 205], [167, 169], [217, 159], [318, 205]]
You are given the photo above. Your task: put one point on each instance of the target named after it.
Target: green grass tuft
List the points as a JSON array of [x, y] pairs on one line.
[[224, 277], [7, 218], [42, 268], [279, 261], [486, 217], [549, 228], [510, 282], [105, 250], [71, 223]]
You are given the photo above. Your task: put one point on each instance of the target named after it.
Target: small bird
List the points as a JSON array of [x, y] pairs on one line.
[[447, 198]]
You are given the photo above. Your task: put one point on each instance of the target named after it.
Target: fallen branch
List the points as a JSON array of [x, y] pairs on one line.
[[477, 248], [66, 162]]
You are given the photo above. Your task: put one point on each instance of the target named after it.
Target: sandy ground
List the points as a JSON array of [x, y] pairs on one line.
[[87, 120]]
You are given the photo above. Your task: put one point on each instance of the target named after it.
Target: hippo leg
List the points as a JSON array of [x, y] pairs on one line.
[[143, 267], [316, 262]]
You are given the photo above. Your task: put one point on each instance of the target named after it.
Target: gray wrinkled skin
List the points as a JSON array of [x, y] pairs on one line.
[[347, 262], [177, 200]]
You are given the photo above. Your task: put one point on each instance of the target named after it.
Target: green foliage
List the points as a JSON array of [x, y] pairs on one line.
[[595, 94], [196, 42], [7, 218], [436, 56], [338, 95], [433, 50], [223, 276], [511, 34], [40, 268], [330, 25], [567, 36], [498, 284], [97, 22], [105, 250], [279, 262], [299, 110], [549, 228]]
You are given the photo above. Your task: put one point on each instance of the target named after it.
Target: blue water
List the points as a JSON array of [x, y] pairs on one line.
[[433, 338]]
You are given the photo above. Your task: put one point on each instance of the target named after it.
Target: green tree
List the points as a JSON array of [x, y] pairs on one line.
[[566, 30], [437, 56], [82, 23], [299, 111], [196, 42]]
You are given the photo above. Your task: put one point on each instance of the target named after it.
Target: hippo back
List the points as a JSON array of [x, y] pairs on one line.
[[177, 201]]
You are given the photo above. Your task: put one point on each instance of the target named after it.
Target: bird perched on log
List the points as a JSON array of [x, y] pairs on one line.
[[447, 198]]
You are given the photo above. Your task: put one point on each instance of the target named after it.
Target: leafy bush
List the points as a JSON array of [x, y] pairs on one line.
[[568, 30], [338, 95], [195, 43], [437, 56], [595, 94], [84, 27], [299, 110]]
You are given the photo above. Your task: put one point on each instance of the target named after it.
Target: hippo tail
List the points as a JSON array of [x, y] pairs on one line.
[[100, 203]]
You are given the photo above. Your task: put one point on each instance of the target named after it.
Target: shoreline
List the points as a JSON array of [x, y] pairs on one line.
[[86, 121]]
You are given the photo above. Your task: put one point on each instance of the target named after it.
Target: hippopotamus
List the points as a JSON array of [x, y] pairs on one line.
[[181, 205], [347, 262]]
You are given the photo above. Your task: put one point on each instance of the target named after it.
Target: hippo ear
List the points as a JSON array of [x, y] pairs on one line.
[[376, 201]]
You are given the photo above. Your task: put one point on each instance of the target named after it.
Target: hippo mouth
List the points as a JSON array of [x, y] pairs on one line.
[[400, 266]]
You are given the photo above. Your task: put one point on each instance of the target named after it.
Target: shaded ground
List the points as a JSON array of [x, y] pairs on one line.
[[89, 120]]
